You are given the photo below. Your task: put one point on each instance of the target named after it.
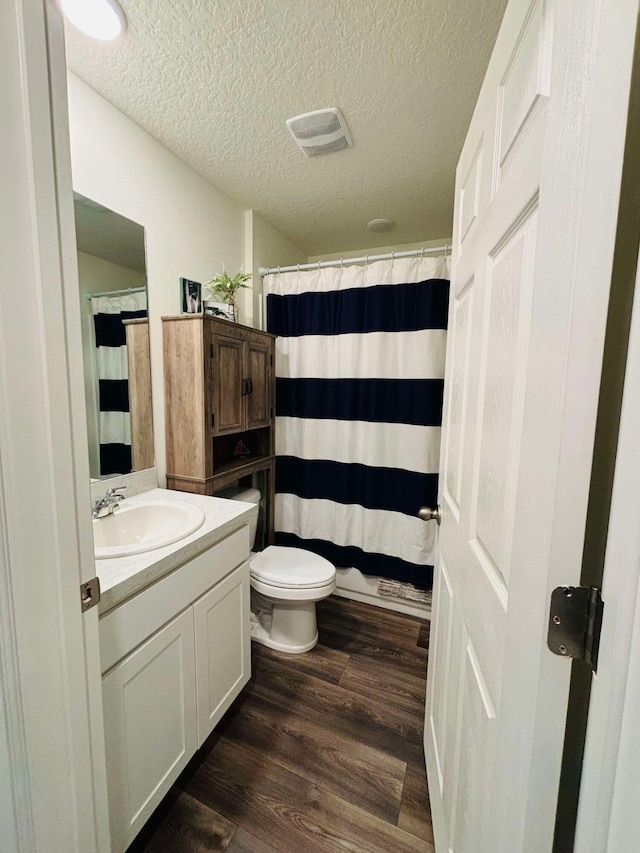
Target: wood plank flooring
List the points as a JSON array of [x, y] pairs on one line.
[[321, 752]]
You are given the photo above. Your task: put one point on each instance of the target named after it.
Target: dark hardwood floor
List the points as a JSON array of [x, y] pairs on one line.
[[321, 752]]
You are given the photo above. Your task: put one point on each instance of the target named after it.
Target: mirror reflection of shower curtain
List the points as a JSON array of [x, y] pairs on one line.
[[359, 383], [114, 427]]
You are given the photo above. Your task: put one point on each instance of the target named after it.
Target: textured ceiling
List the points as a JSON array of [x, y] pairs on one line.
[[214, 81]]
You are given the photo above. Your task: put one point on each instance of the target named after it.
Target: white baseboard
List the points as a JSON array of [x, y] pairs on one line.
[[351, 583]]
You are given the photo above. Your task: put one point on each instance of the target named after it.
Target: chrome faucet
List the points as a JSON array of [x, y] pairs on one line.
[[108, 504]]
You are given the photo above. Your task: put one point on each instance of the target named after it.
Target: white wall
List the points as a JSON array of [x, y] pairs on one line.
[[95, 275], [380, 250], [191, 228], [264, 247]]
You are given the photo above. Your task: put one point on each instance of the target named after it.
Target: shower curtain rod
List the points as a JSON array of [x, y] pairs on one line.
[[125, 291], [263, 271]]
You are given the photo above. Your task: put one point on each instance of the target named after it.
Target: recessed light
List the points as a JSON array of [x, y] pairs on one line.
[[381, 225], [100, 19]]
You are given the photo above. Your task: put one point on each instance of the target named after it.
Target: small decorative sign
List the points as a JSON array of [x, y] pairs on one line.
[[191, 292], [219, 309]]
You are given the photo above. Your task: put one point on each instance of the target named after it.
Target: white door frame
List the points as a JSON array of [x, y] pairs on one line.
[[52, 783], [608, 814]]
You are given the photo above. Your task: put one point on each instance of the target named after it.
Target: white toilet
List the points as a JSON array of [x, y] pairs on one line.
[[285, 585]]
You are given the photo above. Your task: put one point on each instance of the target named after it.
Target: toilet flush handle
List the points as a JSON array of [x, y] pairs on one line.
[[428, 514]]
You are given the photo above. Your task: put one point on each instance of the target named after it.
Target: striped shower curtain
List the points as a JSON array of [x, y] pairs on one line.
[[114, 426], [359, 381]]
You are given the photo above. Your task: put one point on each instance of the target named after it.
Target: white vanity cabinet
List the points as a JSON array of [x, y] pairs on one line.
[[174, 657]]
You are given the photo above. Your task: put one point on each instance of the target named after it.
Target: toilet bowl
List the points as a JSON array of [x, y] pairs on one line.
[[285, 585]]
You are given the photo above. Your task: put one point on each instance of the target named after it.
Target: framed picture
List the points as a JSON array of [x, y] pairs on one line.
[[191, 292], [219, 309]]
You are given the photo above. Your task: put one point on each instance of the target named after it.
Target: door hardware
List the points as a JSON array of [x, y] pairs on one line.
[[575, 622], [89, 594], [428, 514]]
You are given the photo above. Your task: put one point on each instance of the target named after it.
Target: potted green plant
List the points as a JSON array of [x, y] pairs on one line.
[[225, 288]]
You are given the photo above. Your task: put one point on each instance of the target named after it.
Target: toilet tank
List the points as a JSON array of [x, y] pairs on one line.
[[250, 496]]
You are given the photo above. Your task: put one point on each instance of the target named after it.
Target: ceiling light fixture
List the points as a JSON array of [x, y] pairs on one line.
[[381, 225], [100, 19]]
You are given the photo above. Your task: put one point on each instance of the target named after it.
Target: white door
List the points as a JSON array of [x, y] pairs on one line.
[[535, 213]]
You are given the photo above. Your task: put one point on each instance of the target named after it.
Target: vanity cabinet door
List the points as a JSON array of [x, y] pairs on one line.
[[258, 370], [223, 647], [228, 401], [150, 725]]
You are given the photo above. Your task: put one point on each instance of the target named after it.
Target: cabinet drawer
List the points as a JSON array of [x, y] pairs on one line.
[[129, 624]]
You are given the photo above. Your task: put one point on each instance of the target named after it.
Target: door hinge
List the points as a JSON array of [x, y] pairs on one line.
[[271, 360], [89, 594], [272, 411], [211, 350], [575, 622], [213, 419]]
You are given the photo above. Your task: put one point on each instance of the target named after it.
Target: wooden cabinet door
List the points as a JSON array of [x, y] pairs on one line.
[[223, 647], [150, 725], [227, 376], [258, 370]]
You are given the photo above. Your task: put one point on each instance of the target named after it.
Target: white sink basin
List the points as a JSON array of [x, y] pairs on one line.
[[138, 527]]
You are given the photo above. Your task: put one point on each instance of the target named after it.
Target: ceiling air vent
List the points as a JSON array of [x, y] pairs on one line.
[[320, 132]]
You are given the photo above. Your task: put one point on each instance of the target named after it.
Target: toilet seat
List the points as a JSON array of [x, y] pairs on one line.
[[291, 568]]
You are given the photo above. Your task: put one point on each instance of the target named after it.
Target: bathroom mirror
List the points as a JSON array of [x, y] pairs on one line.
[[115, 340]]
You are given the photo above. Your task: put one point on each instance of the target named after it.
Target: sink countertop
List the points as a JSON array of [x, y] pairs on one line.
[[122, 577]]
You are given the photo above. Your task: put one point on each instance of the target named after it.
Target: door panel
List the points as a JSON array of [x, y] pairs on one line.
[[470, 194], [444, 697], [150, 725], [259, 372], [227, 385], [525, 87], [508, 296], [223, 647], [473, 789], [460, 323]]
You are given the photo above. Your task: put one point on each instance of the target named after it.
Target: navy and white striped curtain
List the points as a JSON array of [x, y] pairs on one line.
[[359, 381], [114, 425]]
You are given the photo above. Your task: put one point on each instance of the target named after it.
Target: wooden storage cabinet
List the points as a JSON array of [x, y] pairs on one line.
[[219, 391]]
